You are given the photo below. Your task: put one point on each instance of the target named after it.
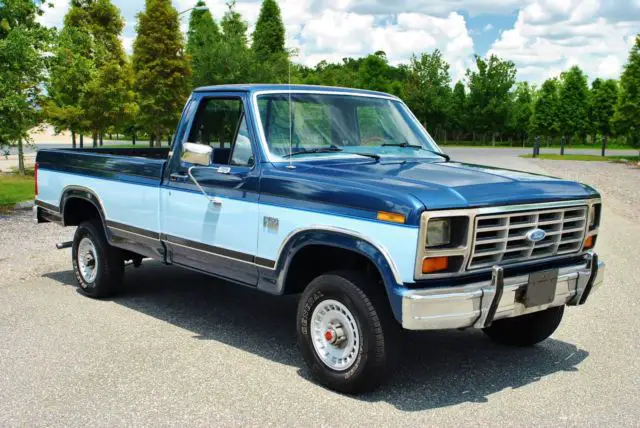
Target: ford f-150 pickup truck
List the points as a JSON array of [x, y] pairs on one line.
[[340, 195]]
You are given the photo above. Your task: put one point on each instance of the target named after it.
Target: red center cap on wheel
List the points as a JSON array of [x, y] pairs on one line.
[[328, 335]]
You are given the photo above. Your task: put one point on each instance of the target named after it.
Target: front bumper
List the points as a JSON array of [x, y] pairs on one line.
[[478, 304]]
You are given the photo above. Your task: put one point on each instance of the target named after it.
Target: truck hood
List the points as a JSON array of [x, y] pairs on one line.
[[445, 185]]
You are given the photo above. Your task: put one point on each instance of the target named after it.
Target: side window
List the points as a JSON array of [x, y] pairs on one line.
[[215, 125], [242, 152], [216, 122]]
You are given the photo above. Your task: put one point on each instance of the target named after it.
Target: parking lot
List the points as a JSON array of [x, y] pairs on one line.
[[179, 348]]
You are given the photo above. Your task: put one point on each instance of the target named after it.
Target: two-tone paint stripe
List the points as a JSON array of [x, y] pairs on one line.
[[191, 245]]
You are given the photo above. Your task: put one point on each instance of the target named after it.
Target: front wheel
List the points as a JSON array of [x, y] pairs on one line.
[[526, 330], [346, 330], [98, 267]]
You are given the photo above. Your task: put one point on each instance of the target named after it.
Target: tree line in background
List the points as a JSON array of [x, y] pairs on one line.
[[79, 78]]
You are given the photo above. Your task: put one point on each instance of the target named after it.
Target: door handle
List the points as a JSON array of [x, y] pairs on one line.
[[178, 178]]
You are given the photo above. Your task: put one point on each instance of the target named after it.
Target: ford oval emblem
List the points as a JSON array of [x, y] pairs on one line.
[[536, 235]]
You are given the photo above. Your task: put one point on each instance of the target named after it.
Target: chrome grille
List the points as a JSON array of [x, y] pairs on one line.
[[502, 238]]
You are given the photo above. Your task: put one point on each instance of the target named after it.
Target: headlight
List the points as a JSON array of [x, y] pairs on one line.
[[438, 232]]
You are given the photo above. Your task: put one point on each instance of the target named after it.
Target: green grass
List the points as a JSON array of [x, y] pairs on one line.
[[584, 158], [15, 189]]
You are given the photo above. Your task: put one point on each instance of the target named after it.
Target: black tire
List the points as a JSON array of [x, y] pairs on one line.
[[526, 330], [379, 331], [110, 261]]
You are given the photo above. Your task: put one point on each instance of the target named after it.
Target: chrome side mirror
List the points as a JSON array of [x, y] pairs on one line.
[[196, 154]]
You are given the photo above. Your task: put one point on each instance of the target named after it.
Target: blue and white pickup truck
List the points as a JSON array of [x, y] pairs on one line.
[[340, 195]]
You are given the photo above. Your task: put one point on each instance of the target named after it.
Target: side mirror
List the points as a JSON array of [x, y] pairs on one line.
[[197, 154]]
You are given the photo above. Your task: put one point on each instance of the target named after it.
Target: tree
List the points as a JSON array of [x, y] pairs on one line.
[[373, 73], [428, 91], [268, 37], [203, 40], [521, 111], [162, 71], [23, 44], [271, 59], [573, 108], [489, 89], [71, 71], [627, 116], [458, 111], [110, 97], [235, 61], [604, 97], [545, 112]]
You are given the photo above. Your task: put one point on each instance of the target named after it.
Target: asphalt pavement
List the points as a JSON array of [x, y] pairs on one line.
[[182, 349]]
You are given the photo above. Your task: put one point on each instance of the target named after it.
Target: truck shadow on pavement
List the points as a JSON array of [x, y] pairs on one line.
[[437, 369]]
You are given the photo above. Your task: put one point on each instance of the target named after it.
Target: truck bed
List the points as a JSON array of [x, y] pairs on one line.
[[143, 166]]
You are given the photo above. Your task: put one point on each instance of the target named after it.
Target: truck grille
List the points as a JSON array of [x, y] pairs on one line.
[[502, 238]]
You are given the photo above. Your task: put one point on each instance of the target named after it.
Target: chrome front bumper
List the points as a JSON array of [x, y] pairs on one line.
[[477, 305]]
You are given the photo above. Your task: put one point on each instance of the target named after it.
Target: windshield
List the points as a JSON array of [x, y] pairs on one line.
[[335, 124]]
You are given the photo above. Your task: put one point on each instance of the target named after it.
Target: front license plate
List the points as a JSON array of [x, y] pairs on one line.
[[541, 289]]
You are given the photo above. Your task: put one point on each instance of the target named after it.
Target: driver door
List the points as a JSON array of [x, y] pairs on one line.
[[216, 233]]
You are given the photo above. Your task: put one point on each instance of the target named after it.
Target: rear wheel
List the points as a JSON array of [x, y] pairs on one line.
[[345, 331], [526, 330], [98, 267]]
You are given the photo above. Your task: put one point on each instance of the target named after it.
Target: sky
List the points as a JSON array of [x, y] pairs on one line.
[[542, 37]]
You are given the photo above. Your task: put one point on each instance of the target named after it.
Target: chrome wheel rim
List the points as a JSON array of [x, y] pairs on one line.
[[335, 335], [87, 260]]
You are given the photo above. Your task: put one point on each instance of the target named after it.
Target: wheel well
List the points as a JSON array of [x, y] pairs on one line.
[[314, 260], [78, 210]]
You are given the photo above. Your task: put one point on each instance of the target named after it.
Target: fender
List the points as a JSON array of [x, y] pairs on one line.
[[80, 192], [273, 280]]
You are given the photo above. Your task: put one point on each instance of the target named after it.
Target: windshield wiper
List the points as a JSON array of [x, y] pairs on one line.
[[331, 149], [415, 146]]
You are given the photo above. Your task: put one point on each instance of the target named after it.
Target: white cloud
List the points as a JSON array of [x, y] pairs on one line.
[[443, 7], [487, 27], [334, 35], [549, 36], [127, 44], [53, 15]]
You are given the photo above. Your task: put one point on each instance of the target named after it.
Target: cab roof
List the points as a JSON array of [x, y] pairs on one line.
[[251, 88]]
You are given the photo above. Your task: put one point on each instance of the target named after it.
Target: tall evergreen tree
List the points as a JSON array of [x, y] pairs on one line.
[[604, 96], [627, 116], [573, 108], [162, 70], [270, 57], [268, 37], [203, 40], [545, 112]]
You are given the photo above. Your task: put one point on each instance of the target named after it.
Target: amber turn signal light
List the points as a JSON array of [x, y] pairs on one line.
[[589, 242], [435, 264], [391, 217]]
